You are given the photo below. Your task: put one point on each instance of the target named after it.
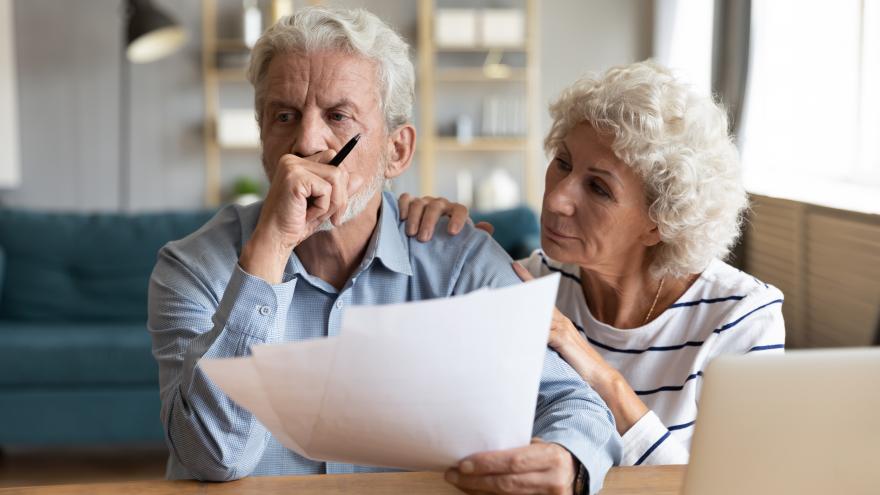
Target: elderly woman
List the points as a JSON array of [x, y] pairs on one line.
[[642, 201]]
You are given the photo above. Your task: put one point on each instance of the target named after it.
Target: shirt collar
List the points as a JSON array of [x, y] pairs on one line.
[[386, 243]]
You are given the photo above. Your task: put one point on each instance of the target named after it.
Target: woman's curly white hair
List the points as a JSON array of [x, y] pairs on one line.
[[677, 141]]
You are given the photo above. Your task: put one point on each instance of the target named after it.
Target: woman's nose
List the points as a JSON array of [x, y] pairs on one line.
[[559, 198]]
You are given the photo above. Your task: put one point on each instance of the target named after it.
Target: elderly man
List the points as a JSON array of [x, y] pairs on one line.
[[324, 238]]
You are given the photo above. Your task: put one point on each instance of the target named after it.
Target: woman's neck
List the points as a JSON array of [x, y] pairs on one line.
[[624, 296]]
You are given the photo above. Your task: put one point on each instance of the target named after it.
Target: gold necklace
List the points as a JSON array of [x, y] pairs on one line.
[[656, 297]]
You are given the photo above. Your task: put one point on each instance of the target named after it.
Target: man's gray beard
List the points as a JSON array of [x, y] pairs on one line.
[[358, 202]]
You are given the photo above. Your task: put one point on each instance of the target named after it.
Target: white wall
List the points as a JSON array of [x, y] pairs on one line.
[[582, 36], [585, 36], [68, 56], [10, 173]]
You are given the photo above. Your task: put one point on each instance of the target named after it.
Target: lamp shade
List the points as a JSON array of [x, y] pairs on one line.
[[152, 34]]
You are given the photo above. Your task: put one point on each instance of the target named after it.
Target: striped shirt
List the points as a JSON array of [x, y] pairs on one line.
[[202, 304], [725, 311]]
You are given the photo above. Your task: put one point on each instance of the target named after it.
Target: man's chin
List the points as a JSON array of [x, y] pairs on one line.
[[325, 226], [356, 206]]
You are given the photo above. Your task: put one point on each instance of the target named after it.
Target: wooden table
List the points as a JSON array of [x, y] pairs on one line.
[[658, 480]]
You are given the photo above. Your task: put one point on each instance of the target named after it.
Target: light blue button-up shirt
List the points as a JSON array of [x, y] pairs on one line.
[[202, 304]]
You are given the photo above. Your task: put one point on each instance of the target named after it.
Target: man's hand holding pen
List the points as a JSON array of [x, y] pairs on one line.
[[304, 193]]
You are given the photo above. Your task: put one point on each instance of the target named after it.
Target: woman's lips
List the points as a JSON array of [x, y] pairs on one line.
[[555, 233]]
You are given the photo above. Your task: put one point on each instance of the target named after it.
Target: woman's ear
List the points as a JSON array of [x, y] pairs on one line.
[[401, 146], [651, 237]]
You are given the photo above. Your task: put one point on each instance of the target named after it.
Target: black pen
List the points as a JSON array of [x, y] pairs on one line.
[[344, 151]]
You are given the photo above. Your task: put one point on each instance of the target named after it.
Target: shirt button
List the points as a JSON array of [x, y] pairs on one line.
[[339, 304], [265, 310]]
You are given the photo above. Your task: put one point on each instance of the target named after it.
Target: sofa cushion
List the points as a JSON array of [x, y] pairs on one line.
[[55, 416], [54, 354], [83, 267], [516, 229]]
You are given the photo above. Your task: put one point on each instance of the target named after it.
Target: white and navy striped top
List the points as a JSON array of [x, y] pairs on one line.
[[725, 311]]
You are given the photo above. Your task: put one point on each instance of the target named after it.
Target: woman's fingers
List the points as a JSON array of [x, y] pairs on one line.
[[558, 329], [423, 214], [521, 272], [414, 216], [431, 216], [403, 205], [488, 227], [458, 216]]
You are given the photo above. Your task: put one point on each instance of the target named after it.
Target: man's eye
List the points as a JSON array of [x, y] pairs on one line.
[[285, 117], [337, 117]]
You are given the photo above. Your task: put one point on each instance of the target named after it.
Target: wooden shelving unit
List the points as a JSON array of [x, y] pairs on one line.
[[430, 75], [478, 49], [231, 75], [211, 91], [482, 144], [214, 78], [468, 75]]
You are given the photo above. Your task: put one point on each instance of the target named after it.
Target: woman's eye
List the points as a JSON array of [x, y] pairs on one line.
[[598, 189], [562, 164]]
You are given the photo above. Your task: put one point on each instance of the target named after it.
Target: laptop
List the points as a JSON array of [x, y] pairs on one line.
[[807, 422]]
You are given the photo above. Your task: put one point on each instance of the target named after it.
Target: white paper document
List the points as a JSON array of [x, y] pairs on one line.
[[417, 385]]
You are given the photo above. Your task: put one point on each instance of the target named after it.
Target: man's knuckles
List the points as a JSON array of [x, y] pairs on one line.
[[519, 463], [509, 484], [562, 456]]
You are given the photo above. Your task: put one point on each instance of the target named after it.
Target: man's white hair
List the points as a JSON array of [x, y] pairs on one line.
[[677, 141], [354, 31]]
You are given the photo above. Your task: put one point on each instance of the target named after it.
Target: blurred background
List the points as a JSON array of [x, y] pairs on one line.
[[126, 123]]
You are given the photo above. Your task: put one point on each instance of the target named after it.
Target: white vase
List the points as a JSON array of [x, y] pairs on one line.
[[498, 191]]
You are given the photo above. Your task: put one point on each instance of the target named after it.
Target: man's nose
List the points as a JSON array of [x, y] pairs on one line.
[[310, 136]]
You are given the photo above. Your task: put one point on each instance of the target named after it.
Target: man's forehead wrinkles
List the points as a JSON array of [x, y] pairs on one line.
[[331, 93], [325, 82]]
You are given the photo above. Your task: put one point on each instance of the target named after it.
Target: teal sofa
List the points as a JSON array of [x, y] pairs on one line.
[[516, 230], [75, 359]]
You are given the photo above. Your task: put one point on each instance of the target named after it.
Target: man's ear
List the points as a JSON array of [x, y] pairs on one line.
[[401, 147]]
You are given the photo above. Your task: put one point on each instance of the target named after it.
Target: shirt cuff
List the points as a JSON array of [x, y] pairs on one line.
[[640, 441], [592, 464], [251, 306]]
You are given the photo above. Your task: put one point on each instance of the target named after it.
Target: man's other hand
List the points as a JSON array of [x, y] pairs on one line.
[[540, 467]]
